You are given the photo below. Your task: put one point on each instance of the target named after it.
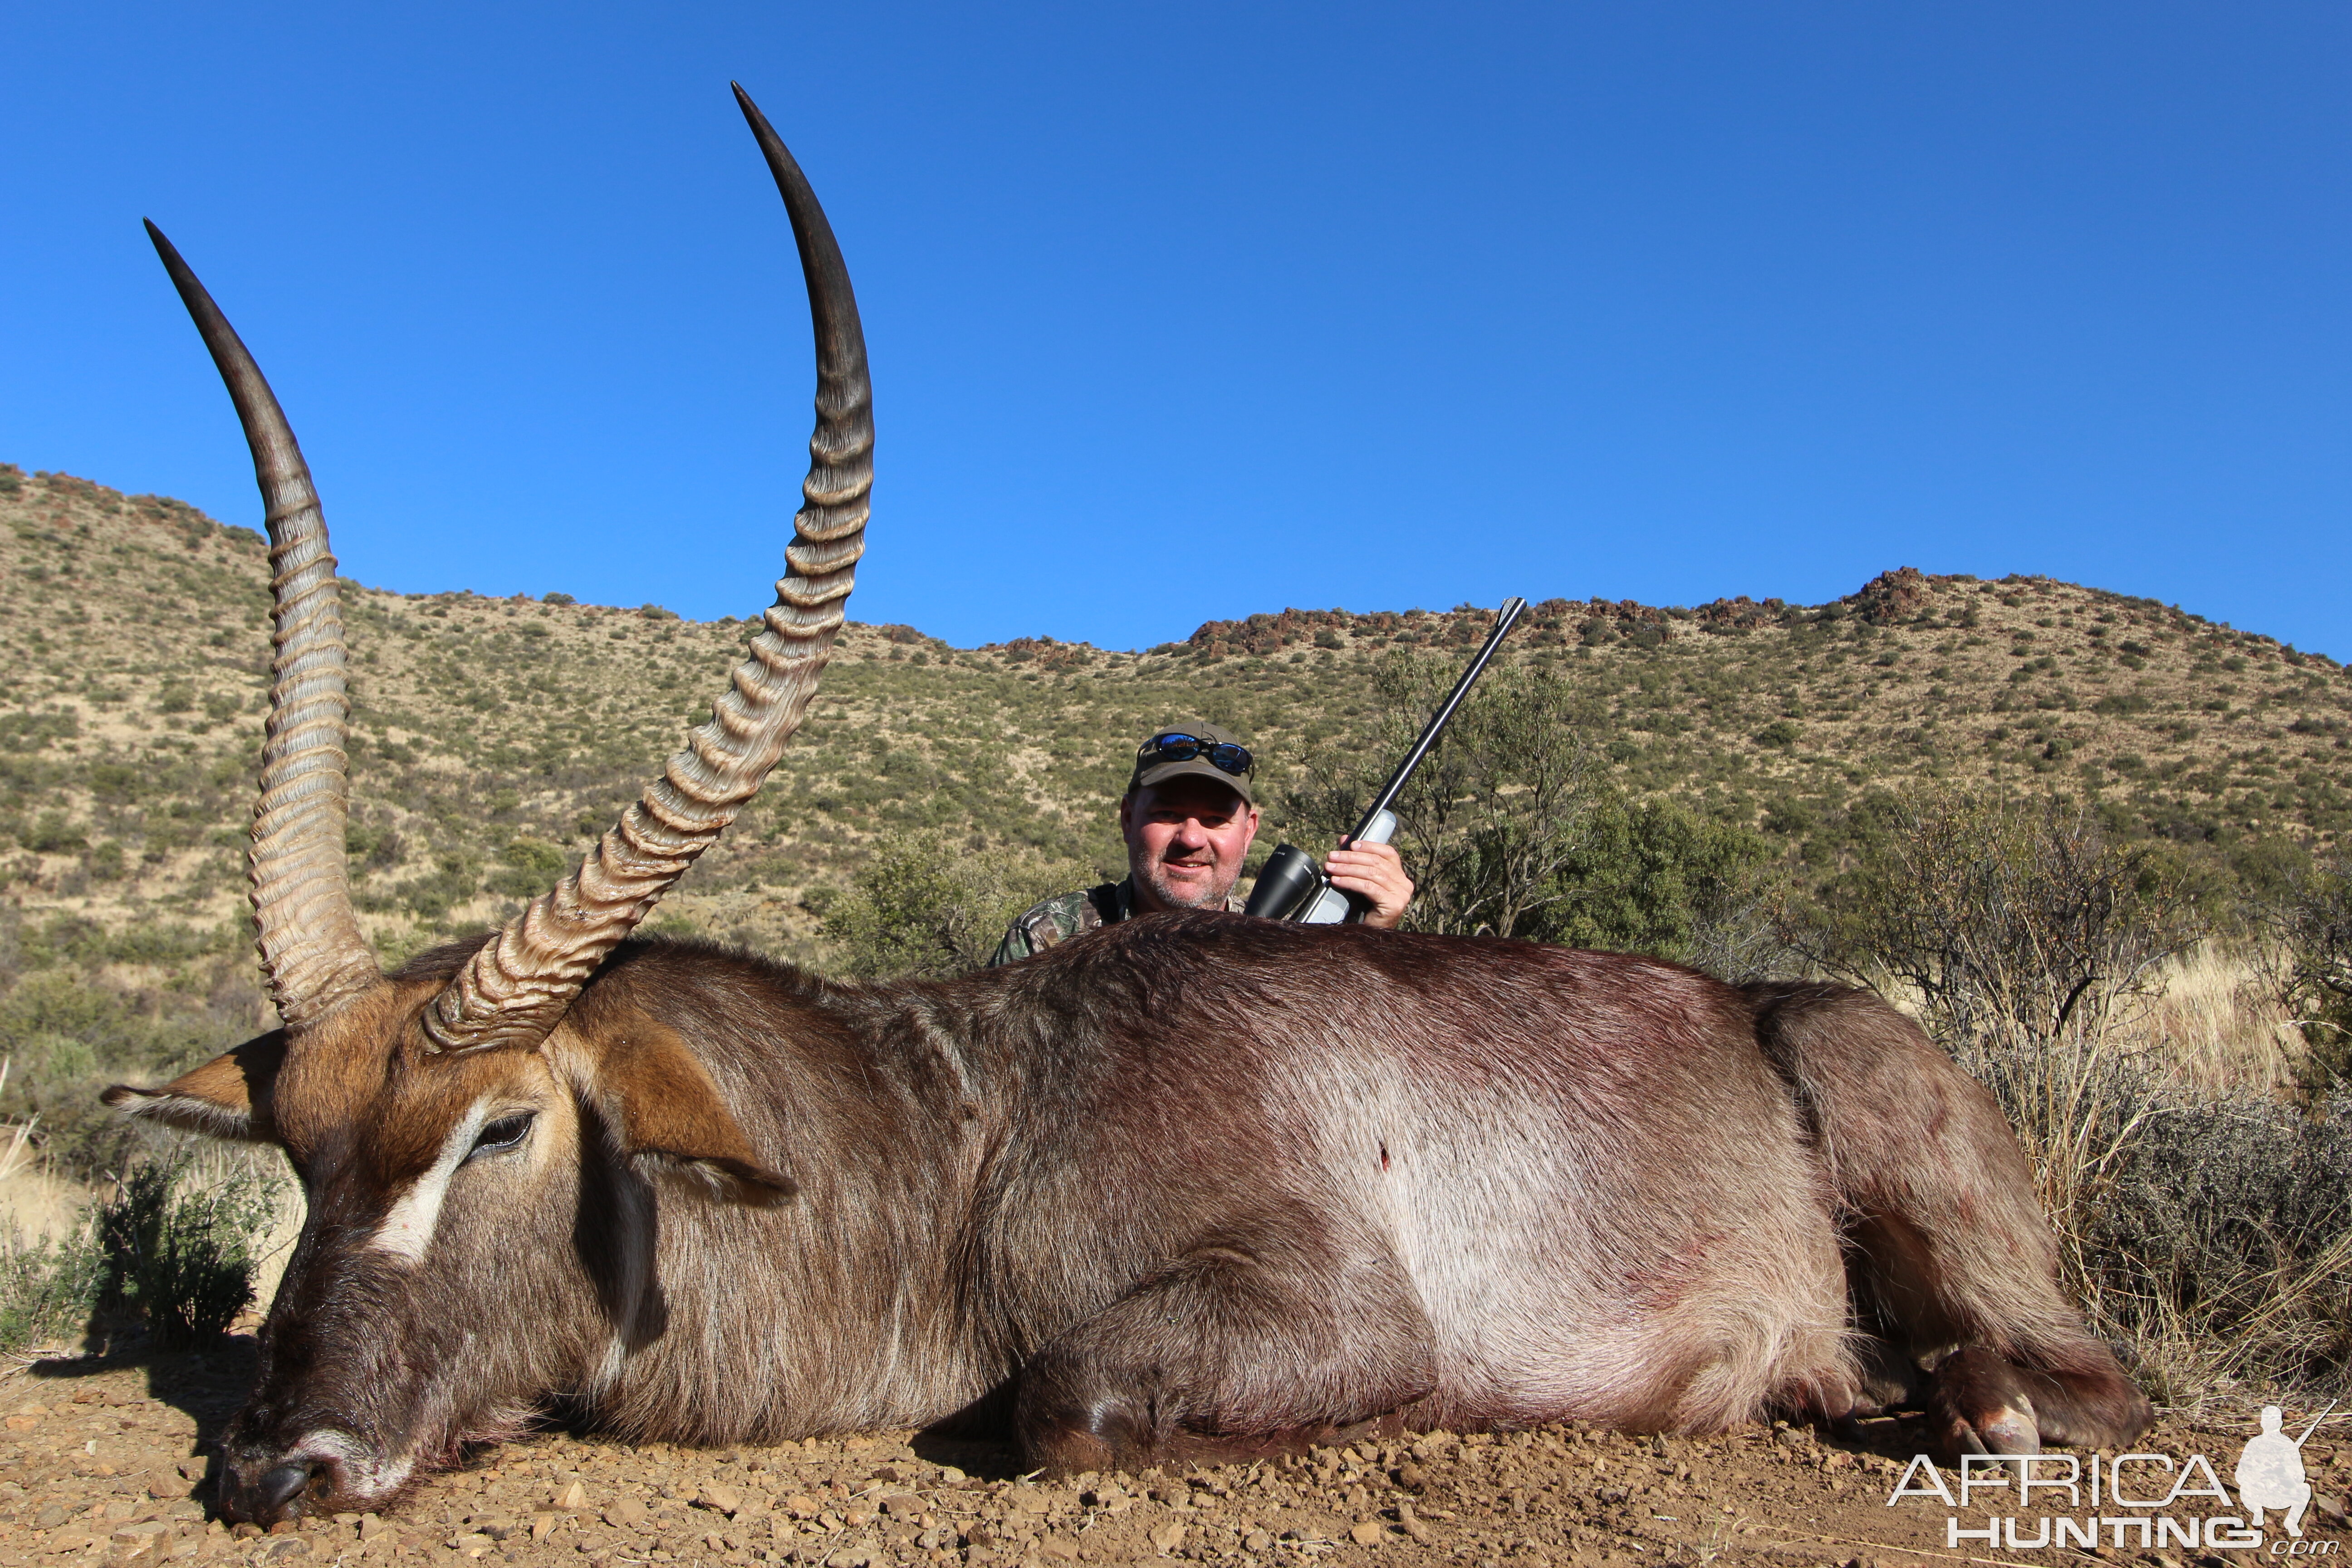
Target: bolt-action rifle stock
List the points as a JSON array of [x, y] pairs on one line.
[[1293, 887]]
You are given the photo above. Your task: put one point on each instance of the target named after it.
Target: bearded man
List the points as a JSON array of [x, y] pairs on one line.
[[1188, 817]]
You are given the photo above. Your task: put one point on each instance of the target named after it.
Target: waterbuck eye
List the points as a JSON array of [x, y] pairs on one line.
[[502, 1134]]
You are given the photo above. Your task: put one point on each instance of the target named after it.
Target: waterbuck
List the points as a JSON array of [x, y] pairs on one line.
[[1194, 1185]]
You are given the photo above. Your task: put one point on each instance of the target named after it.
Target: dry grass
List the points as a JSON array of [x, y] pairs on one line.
[[2216, 1027]]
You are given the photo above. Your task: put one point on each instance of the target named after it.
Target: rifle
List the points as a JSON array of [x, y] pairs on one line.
[[1293, 887]]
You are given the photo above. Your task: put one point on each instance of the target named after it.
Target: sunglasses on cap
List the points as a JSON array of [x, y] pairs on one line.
[[1175, 746]]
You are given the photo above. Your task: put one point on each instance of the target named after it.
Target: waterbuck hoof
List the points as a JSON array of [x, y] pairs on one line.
[[2010, 1432]]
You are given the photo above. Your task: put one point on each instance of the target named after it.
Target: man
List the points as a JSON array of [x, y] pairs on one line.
[[1188, 817]]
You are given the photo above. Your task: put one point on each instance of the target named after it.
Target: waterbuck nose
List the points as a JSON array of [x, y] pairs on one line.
[[277, 1488]]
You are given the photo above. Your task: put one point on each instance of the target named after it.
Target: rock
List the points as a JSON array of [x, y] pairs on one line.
[[1413, 1524], [138, 1540], [720, 1498], [1257, 1541], [572, 1498], [1369, 1533], [193, 1470], [285, 1547], [1033, 1500], [542, 1525], [51, 1518], [1061, 1549], [22, 1423], [1412, 1477], [949, 1476], [1167, 1537], [800, 1505], [626, 1514], [2331, 1508], [904, 1505], [370, 1527]]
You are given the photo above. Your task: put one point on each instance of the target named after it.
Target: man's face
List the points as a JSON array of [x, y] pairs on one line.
[[1185, 841]]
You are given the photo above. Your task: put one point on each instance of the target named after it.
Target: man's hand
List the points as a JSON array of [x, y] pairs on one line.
[[1373, 871]]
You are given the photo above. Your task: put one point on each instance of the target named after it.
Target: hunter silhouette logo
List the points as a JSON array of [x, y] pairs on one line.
[[2270, 1472], [2148, 1501]]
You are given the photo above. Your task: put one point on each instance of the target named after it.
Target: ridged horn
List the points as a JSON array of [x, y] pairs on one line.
[[516, 986], [311, 947]]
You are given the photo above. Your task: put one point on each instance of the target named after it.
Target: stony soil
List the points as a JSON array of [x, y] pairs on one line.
[[104, 1461]]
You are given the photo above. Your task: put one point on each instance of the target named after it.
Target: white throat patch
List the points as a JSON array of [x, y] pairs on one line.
[[407, 1229]]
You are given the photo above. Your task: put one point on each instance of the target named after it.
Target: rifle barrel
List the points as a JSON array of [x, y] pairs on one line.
[[1504, 620]]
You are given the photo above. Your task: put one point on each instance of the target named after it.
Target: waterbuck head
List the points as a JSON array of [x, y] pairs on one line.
[[453, 1123]]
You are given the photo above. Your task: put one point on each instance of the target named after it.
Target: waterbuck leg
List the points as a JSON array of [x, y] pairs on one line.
[[1949, 1259], [1241, 1348]]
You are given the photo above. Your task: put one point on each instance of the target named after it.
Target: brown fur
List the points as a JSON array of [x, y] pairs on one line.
[[1193, 1184]]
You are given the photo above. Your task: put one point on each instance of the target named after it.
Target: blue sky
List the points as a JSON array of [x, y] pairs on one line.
[[1179, 312]]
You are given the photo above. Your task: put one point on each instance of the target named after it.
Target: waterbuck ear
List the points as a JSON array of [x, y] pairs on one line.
[[228, 1096], [668, 1109]]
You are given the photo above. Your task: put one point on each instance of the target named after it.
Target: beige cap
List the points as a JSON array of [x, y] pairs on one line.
[[1152, 766]]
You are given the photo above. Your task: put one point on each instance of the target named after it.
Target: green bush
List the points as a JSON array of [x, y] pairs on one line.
[[528, 868], [167, 1252], [51, 834], [49, 1290], [1655, 877], [178, 1257], [932, 904]]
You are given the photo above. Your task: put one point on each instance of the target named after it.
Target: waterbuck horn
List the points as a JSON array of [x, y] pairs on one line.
[[516, 986], [312, 948]]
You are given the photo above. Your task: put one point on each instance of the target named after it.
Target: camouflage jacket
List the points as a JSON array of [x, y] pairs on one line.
[[1068, 915]]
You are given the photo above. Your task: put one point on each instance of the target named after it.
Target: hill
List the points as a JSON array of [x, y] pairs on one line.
[[493, 738]]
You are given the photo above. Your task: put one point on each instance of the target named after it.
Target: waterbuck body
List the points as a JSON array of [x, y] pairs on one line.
[[1193, 1184]]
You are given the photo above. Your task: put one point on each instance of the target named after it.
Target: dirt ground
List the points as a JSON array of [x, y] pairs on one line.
[[104, 1462]]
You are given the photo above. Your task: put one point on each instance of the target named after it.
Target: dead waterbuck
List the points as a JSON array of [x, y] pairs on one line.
[[1194, 1185]]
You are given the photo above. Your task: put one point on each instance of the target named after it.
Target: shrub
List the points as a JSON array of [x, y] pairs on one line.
[[1779, 733], [529, 868], [181, 1257], [1658, 877], [927, 903], [51, 834], [168, 1252], [2219, 1245], [2309, 914], [48, 1290], [558, 597], [2006, 918]]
